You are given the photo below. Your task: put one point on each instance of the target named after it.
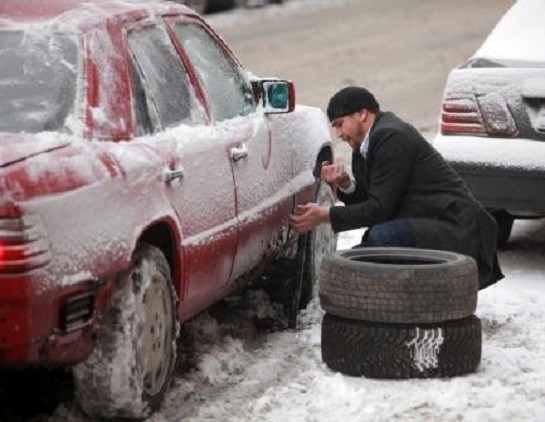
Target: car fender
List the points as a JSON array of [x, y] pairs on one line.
[[309, 131]]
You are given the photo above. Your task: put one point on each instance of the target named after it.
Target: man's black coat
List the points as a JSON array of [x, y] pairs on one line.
[[404, 177]]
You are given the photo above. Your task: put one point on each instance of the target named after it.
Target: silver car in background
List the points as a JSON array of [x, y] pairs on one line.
[[493, 118]]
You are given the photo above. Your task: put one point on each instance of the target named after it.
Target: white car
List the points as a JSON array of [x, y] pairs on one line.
[[493, 118]]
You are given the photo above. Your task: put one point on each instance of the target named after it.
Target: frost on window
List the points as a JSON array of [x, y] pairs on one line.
[[167, 89], [144, 124], [228, 92], [38, 77]]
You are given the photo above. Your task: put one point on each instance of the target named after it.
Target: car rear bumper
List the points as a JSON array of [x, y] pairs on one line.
[[501, 173], [33, 329]]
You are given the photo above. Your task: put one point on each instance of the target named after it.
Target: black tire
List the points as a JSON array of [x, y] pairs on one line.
[[130, 368], [322, 241], [397, 351], [505, 221], [213, 6], [399, 285]]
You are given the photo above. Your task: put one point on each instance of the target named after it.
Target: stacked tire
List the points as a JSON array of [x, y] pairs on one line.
[[400, 313]]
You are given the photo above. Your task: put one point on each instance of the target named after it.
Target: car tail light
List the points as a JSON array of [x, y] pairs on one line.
[[477, 115], [23, 244], [461, 114]]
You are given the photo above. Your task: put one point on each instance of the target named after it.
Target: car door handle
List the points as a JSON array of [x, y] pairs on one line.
[[172, 174], [238, 153]]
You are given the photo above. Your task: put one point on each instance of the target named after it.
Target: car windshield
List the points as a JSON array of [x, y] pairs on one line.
[[38, 76]]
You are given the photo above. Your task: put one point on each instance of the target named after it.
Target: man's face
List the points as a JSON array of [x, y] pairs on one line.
[[350, 128]]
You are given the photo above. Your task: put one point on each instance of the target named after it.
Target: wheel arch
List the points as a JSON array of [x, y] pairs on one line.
[[313, 141], [163, 235], [325, 154]]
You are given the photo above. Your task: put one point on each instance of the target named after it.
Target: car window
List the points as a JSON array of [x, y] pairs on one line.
[[229, 94], [167, 89], [38, 79], [144, 125]]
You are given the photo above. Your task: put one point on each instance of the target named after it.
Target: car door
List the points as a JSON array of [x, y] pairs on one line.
[[260, 163], [197, 170]]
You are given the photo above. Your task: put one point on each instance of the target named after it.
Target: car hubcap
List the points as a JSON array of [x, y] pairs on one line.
[[324, 239], [156, 334]]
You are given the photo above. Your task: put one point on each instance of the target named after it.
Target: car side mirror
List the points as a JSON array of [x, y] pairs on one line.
[[275, 96]]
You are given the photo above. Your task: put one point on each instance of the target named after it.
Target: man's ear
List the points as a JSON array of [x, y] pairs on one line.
[[362, 115]]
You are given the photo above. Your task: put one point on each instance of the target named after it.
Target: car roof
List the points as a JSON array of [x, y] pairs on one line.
[[84, 11]]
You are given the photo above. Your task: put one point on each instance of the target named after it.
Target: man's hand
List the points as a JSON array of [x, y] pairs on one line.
[[335, 174], [310, 216]]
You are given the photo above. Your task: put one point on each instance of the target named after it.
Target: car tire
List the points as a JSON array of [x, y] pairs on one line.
[[213, 6], [399, 285], [130, 368], [321, 241], [505, 221], [397, 351]]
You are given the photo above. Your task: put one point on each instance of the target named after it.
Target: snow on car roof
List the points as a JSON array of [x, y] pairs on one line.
[[17, 11], [518, 35]]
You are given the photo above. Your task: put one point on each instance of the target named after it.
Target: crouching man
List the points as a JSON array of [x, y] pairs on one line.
[[402, 189]]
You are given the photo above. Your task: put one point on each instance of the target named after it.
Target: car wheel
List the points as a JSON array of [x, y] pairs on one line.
[[397, 351], [322, 241], [399, 285], [129, 370], [505, 221]]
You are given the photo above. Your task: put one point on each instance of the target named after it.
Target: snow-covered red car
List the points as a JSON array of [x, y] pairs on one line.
[[144, 174], [493, 118]]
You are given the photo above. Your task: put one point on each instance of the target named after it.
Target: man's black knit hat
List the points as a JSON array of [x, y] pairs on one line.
[[349, 100]]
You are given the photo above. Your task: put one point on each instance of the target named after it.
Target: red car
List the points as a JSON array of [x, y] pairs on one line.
[[144, 174]]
